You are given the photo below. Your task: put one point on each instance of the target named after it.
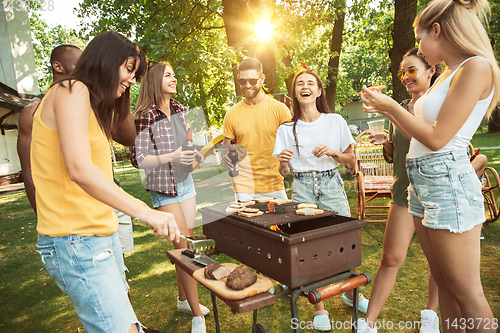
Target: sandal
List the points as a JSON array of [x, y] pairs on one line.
[[362, 303], [321, 321]]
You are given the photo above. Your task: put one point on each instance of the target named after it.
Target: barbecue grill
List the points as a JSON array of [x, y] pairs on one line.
[[312, 255], [303, 249]]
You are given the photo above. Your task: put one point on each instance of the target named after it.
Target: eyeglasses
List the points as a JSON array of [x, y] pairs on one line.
[[411, 72], [252, 82]]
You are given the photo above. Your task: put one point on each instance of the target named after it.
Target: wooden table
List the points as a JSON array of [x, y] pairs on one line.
[[238, 306], [264, 299]]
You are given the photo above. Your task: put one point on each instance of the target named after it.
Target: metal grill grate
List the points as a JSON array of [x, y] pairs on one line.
[[284, 214]]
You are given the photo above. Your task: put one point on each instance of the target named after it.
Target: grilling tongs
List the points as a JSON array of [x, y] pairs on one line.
[[198, 244]]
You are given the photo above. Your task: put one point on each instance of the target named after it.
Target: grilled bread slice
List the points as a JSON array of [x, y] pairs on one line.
[[280, 201], [263, 199], [250, 212], [306, 205], [309, 211]]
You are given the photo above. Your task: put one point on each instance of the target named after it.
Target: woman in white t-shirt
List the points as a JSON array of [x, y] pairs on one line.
[[444, 193], [312, 145]]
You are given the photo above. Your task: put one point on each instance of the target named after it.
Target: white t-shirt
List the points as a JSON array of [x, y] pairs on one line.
[[427, 109], [329, 129]]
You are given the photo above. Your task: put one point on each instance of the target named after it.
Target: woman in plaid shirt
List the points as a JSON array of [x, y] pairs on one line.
[[161, 131]]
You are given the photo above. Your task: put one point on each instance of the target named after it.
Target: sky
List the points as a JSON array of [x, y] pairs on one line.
[[61, 13]]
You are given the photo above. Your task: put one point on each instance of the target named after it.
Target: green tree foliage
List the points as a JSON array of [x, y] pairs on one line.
[[205, 39], [191, 35], [494, 33], [364, 57], [188, 34], [304, 34], [494, 27], [45, 39]]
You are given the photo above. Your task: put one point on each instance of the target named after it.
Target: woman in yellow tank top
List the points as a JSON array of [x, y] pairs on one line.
[[72, 172]]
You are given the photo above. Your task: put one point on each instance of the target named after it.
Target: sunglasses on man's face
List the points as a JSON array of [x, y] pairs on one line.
[[252, 82], [411, 72]]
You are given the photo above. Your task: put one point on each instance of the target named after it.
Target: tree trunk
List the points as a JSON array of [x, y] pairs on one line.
[[240, 34], [494, 121], [335, 49], [267, 56], [403, 39], [203, 99], [266, 51], [287, 61], [236, 16]]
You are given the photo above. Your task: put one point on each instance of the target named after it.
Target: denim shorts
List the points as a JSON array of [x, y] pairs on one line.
[[90, 270], [323, 188], [445, 191], [185, 191]]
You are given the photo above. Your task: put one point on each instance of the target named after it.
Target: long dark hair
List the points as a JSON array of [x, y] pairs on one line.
[[98, 68], [414, 52], [321, 103]]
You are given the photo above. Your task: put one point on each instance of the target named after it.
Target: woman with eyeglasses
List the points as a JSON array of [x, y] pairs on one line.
[[445, 194], [312, 145], [161, 130], [417, 76], [78, 241]]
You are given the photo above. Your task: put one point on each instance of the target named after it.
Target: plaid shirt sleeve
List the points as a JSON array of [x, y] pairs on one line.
[[154, 137], [144, 139]]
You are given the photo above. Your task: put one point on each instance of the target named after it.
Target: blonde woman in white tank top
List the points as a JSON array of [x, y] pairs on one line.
[[444, 193]]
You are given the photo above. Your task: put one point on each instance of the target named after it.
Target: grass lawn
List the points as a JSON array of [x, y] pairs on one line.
[[31, 302], [488, 140]]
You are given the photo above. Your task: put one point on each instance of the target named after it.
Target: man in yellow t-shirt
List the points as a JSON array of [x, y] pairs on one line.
[[253, 123]]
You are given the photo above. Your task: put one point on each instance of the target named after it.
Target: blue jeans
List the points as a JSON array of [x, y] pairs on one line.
[[445, 191], [90, 270], [185, 190], [323, 188]]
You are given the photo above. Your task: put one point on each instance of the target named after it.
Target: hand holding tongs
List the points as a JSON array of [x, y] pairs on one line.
[[198, 244]]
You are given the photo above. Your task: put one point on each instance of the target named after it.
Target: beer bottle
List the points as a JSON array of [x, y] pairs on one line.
[[233, 156], [188, 145]]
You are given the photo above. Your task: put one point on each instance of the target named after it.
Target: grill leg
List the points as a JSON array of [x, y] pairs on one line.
[[355, 302], [293, 307], [254, 326], [216, 314]]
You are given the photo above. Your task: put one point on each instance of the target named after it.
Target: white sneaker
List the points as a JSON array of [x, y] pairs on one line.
[[183, 306], [198, 325], [364, 328], [430, 322]]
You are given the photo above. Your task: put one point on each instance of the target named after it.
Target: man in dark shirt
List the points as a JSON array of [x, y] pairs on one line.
[[62, 60]]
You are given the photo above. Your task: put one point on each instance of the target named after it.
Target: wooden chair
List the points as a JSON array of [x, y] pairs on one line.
[[374, 177], [490, 190]]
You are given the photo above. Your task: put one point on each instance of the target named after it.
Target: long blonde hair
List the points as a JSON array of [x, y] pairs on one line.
[[462, 27], [150, 91]]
